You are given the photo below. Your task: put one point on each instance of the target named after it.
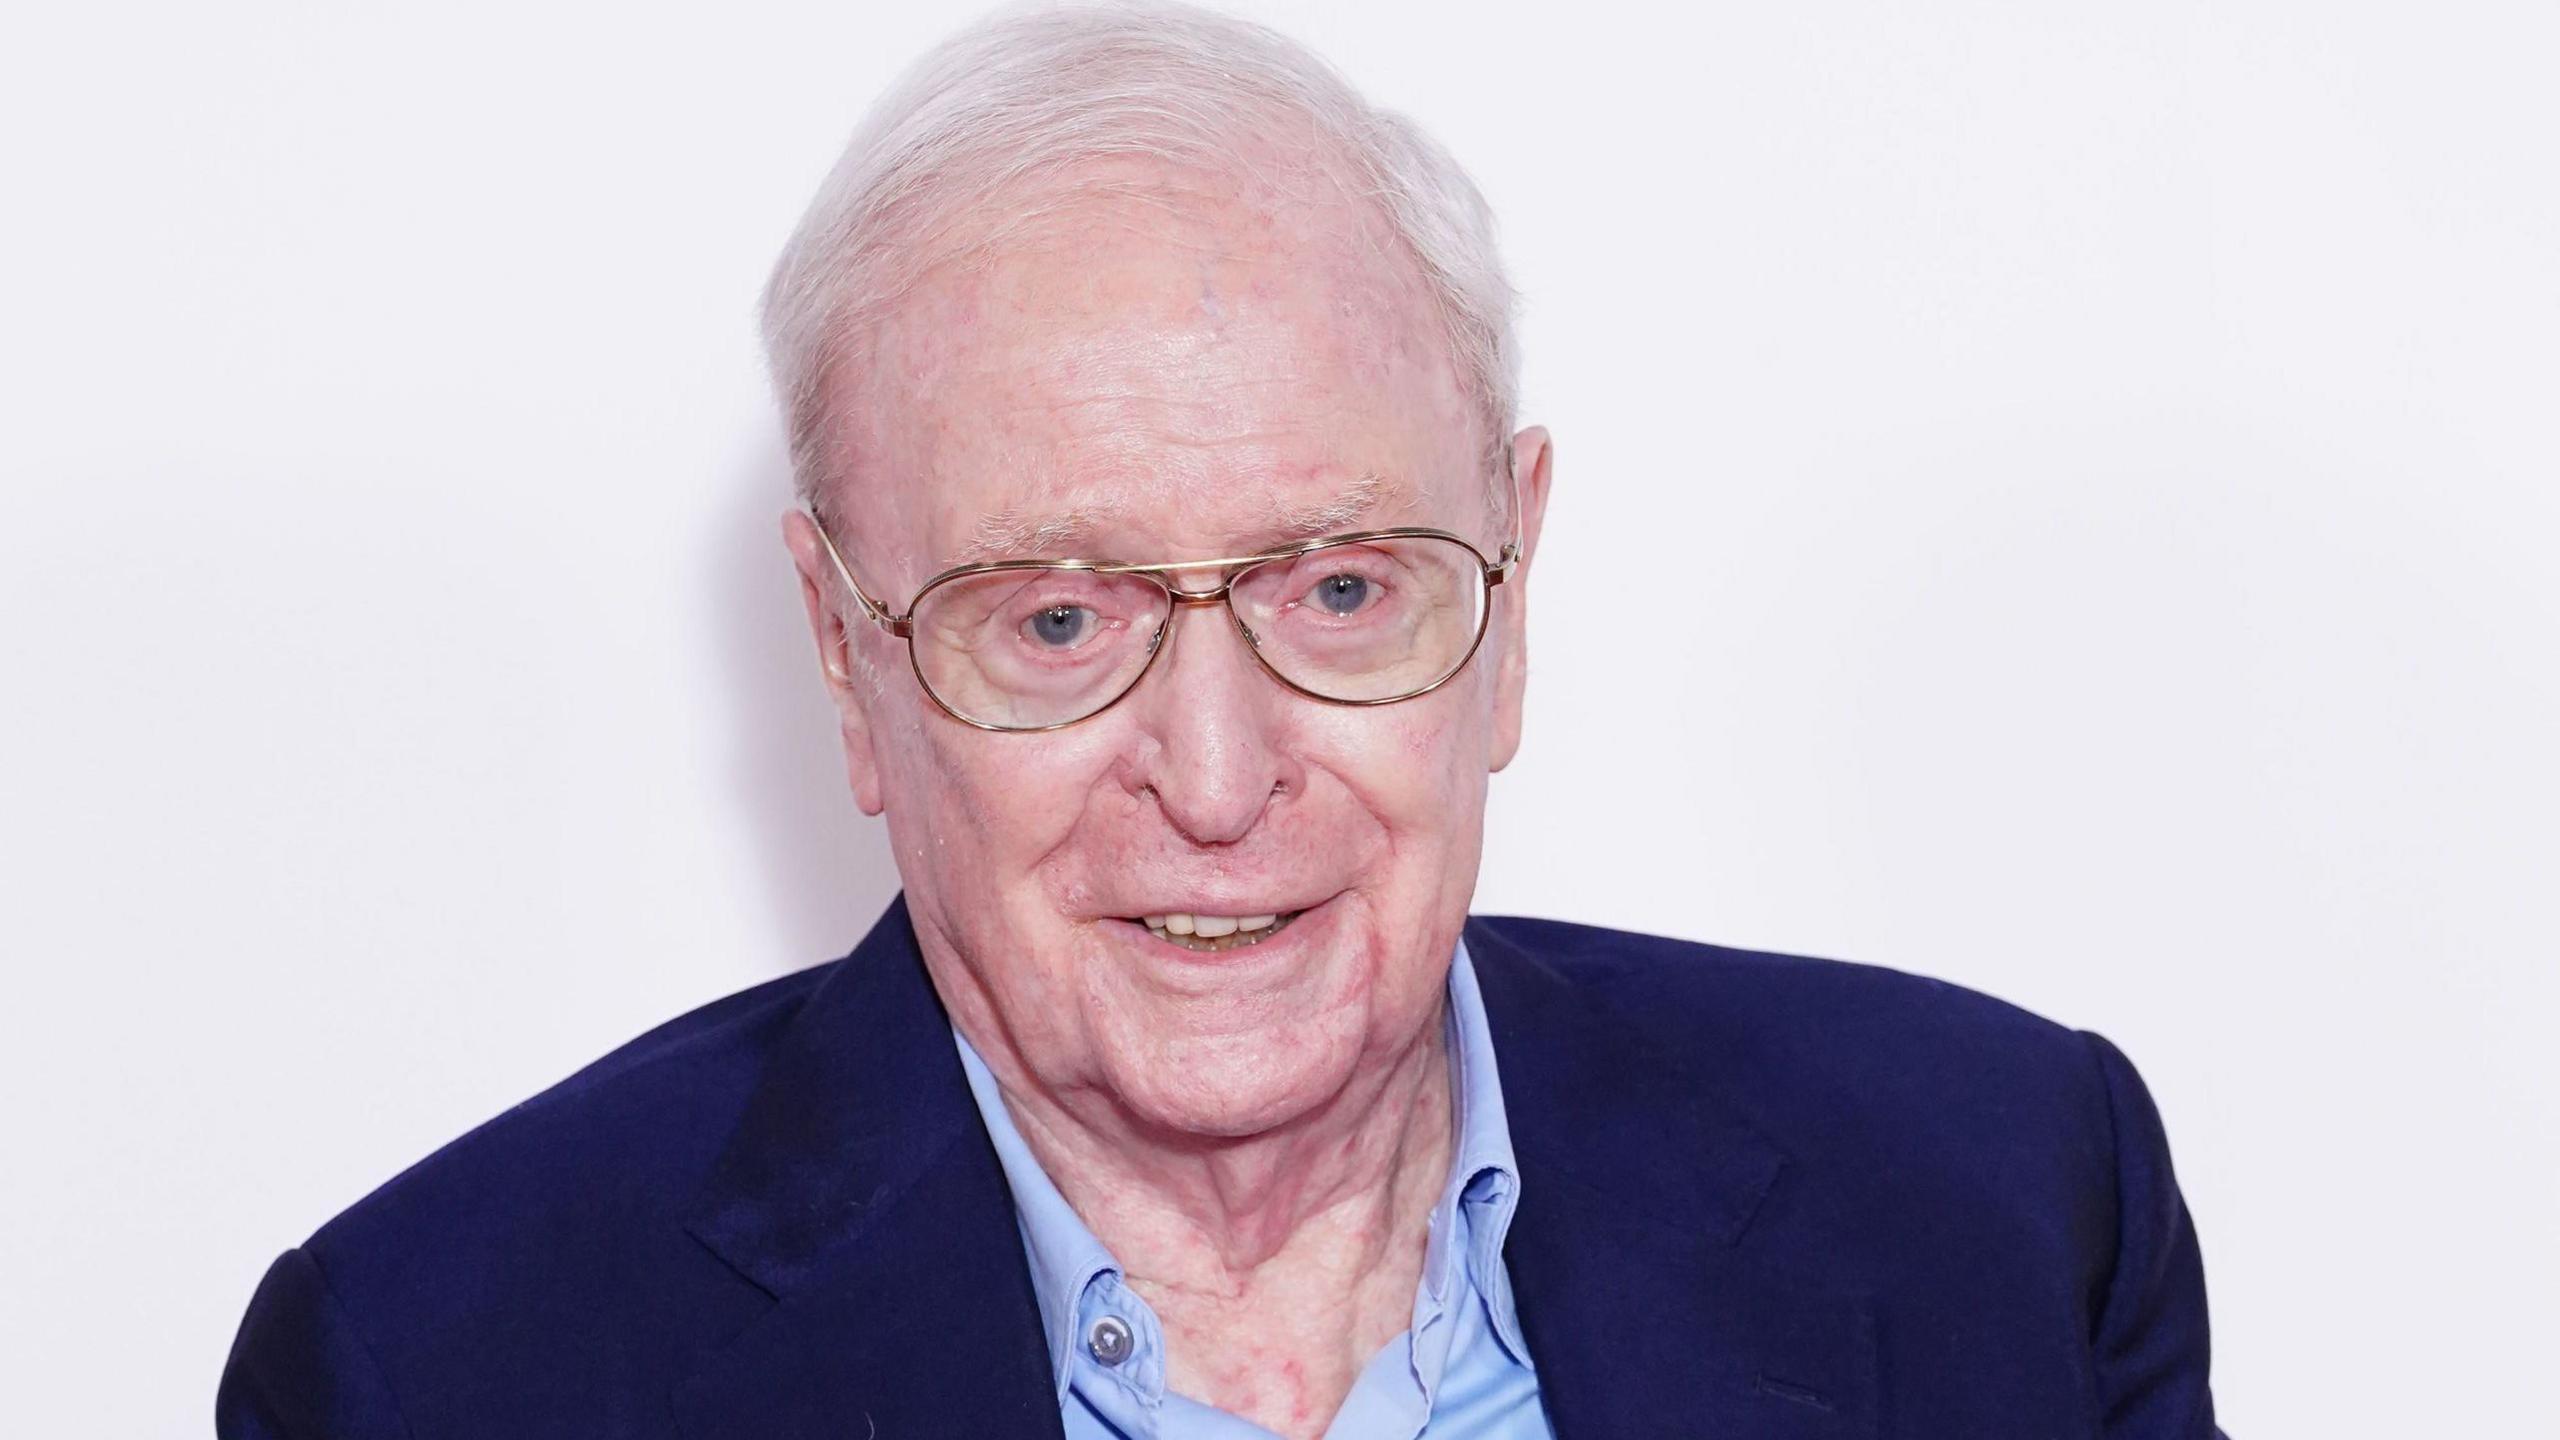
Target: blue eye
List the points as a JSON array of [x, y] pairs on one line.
[[1061, 627], [1341, 594]]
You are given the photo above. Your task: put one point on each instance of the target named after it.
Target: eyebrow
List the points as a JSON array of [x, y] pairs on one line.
[[1013, 532]]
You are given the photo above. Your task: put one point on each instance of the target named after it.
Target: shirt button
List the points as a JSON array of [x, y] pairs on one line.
[[1110, 1340]]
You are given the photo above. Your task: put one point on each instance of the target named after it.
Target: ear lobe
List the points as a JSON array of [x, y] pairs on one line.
[[835, 661], [1532, 469], [861, 771]]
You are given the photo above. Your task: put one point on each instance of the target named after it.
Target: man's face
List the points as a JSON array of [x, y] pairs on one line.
[[1179, 375]]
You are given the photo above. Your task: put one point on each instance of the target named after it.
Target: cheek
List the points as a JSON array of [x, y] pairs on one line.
[[1415, 766], [982, 810]]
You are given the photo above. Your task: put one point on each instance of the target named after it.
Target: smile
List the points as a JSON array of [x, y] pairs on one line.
[[1210, 933]]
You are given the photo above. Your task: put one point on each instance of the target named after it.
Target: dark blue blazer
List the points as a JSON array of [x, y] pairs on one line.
[[1762, 1198]]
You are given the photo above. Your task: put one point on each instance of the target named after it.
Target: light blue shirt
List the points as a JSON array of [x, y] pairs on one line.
[[1461, 1373]]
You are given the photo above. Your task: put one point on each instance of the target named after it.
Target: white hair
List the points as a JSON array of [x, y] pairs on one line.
[[1028, 93]]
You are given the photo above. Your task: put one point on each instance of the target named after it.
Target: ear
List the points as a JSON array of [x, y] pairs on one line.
[[1533, 455], [818, 580]]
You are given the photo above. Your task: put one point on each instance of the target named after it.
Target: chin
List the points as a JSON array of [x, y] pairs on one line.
[[1238, 1083]]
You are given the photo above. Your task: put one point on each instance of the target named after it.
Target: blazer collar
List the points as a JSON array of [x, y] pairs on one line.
[[1648, 1309]]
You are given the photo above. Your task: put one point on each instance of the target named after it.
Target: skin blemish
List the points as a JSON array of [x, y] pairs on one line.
[[1211, 307]]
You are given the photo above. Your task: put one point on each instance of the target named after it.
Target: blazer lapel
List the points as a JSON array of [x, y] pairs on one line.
[[860, 1193], [1647, 1311]]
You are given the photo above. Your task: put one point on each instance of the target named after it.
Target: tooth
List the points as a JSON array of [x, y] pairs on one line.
[[1256, 922], [1155, 922], [1178, 924], [1210, 927]]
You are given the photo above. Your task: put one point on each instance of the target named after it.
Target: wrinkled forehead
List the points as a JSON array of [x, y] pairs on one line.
[[1159, 365]]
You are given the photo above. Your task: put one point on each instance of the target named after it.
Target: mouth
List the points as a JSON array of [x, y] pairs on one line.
[[1211, 934]]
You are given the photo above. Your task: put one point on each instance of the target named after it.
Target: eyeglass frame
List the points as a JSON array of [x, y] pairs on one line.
[[1491, 574]]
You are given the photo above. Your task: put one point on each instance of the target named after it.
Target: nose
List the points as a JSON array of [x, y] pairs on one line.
[[1211, 722]]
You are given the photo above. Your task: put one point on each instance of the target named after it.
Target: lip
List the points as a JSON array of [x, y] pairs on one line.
[[1284, 945], [1211, 904]]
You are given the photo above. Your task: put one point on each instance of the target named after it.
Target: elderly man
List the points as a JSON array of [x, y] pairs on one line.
[[1166, 546]]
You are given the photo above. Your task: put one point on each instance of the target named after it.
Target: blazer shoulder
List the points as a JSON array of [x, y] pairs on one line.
[[631, 1130], [1836, 1046], [1686, 981], [533, 1267], [1919, 1111]]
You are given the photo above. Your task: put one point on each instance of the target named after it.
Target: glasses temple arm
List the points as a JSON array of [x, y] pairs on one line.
[[878, 613]]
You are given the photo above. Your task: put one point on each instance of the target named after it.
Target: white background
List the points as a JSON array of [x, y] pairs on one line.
[[2058, 497]]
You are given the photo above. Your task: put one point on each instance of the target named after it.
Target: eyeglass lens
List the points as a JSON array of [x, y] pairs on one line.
[[1037, 646]]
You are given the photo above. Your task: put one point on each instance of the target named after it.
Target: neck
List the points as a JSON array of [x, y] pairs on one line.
[[1195, 1208], [1278, 1262]]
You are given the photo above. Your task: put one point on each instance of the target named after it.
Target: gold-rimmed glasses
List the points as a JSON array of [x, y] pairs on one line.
[[1367, 618]]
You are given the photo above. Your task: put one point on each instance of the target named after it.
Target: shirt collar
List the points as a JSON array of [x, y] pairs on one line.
[[1065, 1256], [1484, 1178]]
